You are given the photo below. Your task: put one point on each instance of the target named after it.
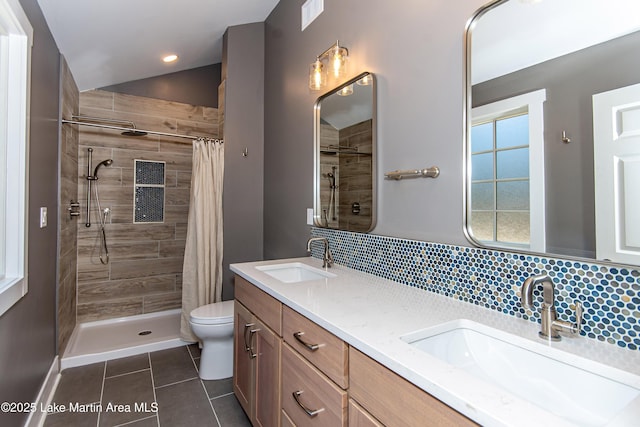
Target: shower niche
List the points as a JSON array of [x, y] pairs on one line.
[[345, 150], [148, 203]]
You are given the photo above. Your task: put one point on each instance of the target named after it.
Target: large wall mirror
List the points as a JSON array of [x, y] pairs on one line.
[[553, 128], [345, 156]]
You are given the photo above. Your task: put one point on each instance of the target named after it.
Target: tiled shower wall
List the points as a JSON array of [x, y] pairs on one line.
[[144, 274], [353, 172], [355, 177], [68, 232], [492, 279]]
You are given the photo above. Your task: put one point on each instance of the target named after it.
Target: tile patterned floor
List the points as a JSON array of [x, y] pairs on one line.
[[152, 389]]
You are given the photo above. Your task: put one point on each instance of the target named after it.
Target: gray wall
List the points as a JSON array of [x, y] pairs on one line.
[[415, 48], [570, 82], [198, 86], [243, 75], [27, 330]]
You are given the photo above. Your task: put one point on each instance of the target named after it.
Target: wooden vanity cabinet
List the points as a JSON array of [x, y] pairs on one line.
[[394, 401], [257, 353]]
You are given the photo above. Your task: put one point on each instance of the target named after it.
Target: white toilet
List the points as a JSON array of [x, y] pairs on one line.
[[213, 324]]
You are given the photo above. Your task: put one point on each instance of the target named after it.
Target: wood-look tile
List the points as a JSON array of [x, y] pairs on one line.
[[92, 271], [119, 251], [172, 160], [134, 232], [176, 214], [151, 267], [141, 118], [176, 196], [96, 99], [108, 138], [183, 146], [162, 302], [181, 230], [109, 309], [171, 248], [126, 288], [211, 114], [156, 107], [122, 214], [184, 179], [198, 128]]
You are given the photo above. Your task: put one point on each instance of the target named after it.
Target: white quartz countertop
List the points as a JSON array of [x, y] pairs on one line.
[[371, 314]]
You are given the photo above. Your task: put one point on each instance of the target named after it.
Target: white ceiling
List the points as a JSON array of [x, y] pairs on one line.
[[116, 41], [522, 33]]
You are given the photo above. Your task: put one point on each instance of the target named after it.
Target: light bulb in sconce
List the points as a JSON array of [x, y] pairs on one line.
[[339, 56], [317, 79], [346, 91], [365, 81]]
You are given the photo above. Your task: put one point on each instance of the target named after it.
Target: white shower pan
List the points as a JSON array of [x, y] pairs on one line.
[[102, 340]]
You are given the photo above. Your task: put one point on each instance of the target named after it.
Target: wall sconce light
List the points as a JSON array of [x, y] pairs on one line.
[[335, 58]]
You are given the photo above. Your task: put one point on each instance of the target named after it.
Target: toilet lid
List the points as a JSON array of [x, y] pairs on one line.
[[213, 314]]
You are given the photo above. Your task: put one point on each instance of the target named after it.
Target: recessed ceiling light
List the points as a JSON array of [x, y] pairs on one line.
[[170, 58]]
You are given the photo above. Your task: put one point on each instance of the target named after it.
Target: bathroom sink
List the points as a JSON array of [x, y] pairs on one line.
[[294, 272], [589, 395]]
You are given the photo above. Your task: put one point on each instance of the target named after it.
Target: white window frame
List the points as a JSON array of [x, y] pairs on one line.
[[16, 39], [532, 103]]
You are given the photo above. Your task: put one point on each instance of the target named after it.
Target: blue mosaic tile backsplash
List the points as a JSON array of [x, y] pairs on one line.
[[610, 295]]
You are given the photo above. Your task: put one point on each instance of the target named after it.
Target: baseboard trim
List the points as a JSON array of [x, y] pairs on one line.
[[48, 388]]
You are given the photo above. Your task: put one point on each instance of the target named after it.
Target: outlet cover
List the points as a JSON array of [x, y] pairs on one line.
[[309, 216]]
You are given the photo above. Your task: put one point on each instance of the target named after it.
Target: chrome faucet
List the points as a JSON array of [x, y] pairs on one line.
[[327, 258], [550, 324]]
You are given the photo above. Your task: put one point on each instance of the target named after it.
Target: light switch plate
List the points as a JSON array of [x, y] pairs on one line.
[[43, 217], [309, 216]]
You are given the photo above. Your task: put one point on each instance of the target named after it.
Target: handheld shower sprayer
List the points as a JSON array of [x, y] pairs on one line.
[[107, 162]]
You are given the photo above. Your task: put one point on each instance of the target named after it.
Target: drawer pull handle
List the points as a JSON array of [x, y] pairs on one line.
[[311, 347], [246, 328], [309, 412], [252, 332]]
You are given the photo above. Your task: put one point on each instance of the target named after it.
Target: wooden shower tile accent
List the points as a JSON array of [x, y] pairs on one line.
[[153, 303], [172, 248], [126, 288], [96, 99], [92, 270], [121, 250], [150, 267], [109, 309], [145, 272]]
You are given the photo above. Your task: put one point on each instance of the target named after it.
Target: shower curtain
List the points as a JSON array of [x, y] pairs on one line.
[[202, 268]]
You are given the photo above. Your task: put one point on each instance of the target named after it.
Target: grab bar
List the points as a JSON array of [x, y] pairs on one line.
[[431, 172]]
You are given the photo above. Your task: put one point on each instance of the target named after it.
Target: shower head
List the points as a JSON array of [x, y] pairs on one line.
[[134, 132], [107, 162]]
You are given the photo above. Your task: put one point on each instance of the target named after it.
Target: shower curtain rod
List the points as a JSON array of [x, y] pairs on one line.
[[128, 129]]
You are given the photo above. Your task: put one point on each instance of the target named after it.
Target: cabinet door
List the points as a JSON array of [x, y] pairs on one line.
[[242, 361], [267, 376], [359, 417]]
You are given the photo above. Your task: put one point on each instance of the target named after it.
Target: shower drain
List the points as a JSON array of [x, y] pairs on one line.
[[144, 333]]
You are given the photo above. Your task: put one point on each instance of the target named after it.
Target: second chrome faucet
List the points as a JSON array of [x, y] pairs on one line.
[[327, 258], [551, 326]]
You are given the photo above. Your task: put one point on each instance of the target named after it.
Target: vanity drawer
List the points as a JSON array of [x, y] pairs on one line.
[[326, 351], [383, 393], [313, 390], [263, 305]]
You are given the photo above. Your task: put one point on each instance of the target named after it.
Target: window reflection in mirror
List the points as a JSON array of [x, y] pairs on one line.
[[345, 148], [576, 51]]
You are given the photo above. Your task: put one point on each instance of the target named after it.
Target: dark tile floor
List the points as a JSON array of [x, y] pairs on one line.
[[152, 389]]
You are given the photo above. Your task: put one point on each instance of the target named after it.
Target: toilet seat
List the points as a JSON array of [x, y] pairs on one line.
[[213, 314]]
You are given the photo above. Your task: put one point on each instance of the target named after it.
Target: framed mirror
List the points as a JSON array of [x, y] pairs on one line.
[[552, 147], [345, 156]]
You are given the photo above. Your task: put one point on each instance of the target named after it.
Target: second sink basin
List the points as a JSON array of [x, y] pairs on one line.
[[294, 272], [588, 396]]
